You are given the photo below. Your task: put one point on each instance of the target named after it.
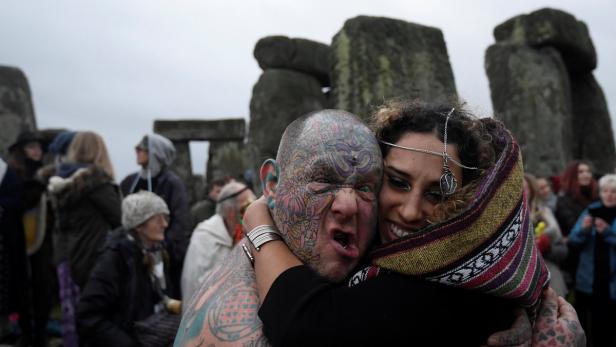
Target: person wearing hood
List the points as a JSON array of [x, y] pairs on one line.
[[130, 281], [13, 259], [155, 154], [86, 204], [25, 159]]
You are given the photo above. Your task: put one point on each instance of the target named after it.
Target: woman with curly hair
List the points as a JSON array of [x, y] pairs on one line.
[[454, 237]]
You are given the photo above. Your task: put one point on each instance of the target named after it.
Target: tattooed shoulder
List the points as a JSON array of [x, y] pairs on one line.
[[224, 311]]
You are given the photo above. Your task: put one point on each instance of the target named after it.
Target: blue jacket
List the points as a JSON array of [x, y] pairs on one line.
[[586, 240]]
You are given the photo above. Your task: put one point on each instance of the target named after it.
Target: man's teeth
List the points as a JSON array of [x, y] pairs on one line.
[[399, 232]]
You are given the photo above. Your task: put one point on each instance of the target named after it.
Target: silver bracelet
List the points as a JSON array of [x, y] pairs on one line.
[[263, 234], [248, 254]]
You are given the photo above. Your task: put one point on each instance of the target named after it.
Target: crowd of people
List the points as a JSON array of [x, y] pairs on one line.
[[109, 256], [420, 224]]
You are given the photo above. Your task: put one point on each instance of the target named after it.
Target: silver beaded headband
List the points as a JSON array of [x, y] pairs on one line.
[[448, 182]]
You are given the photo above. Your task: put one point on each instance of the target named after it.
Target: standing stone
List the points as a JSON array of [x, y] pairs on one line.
[[552, 28], [592, 126], [279, 97], [281, 52], [588, 134], [375, 59], [531, 95], [16, 110]]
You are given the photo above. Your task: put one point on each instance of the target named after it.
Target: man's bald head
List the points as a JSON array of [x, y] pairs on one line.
[[326, 160]]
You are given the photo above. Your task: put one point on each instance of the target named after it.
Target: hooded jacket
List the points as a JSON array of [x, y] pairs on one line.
[[87, 206], [157, 178]]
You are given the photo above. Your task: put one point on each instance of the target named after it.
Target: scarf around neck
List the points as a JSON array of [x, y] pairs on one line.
[[489, 247]]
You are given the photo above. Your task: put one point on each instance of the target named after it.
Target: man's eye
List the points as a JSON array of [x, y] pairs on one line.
[[365, 188], [319, 187], [399, 184]]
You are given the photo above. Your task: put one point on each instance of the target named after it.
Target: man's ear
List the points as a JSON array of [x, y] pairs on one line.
[[269, 174]]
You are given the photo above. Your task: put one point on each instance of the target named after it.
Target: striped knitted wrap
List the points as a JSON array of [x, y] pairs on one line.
[[489, 247]]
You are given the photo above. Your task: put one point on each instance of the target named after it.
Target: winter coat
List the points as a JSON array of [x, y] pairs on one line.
[[586, 240], [165, 183], [13, 259], [119, 293], [567, 212], [87, 206]]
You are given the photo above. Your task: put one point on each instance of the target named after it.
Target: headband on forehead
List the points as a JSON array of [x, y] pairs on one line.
[[233, 195], [448, 182]]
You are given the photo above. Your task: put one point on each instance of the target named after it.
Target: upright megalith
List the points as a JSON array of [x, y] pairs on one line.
[[592, 125], [16, 110], [573, 111], [531, 94], [291, 85], [375, 59]]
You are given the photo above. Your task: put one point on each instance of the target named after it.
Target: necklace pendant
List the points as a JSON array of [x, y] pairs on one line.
[[448, 182]]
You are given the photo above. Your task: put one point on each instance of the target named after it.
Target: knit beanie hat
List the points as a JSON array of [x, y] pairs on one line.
[[139, 207]]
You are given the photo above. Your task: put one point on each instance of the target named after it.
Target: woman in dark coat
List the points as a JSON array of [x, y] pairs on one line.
[[578, 190], [130, 279], [87, 206], [25, 159], [13, 260]]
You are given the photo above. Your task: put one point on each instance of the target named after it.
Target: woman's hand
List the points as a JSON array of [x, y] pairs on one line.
[[601, 225], [257, 214], [586, 222]]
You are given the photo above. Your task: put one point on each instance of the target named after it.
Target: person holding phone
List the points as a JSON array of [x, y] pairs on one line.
[[595, 286]]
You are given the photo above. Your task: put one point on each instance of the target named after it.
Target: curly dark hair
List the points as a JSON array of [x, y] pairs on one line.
[[468, 133]]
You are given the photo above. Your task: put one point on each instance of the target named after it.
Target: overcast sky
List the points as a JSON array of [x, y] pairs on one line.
[[114, 66]]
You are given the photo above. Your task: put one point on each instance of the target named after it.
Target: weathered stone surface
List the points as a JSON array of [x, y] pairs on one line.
[[531, 95], [16, 110], [278, 98], [593, 139], [227, 159], [375, 59], [555, 28], [281, 52], [202, 130], [181, 132]]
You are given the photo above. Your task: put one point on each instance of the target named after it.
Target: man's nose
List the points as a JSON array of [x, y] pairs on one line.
[[345, 202]]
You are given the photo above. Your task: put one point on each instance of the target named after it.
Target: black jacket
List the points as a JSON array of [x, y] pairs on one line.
[[169, 186], [87, 207], [303, 309], [118, 293]]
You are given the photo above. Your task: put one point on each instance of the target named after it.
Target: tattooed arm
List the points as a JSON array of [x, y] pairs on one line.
[[224, 311]]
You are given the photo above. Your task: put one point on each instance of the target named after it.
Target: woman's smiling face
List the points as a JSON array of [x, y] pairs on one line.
[[411, 187]]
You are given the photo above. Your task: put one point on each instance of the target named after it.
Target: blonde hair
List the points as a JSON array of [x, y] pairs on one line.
[[89, 148]]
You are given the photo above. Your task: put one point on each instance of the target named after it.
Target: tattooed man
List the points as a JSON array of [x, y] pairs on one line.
[[330, 232], [329, 229]]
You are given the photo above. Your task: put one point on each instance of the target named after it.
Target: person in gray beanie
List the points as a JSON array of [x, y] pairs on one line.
[[130, 282], [155, 154]]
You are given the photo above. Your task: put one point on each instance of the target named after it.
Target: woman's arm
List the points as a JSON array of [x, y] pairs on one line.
[[274, 257], [580, 234]]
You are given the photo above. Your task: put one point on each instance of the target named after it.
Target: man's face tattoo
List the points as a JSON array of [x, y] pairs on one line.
[[326, 198]]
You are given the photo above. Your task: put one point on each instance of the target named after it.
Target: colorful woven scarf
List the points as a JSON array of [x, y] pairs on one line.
[[489, 247]]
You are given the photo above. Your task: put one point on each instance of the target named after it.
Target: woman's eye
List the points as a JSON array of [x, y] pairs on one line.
[[434, 197], [398, 183]]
